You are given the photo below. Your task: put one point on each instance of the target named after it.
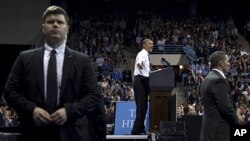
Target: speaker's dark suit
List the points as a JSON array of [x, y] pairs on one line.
[[79, 94], [219, 112]]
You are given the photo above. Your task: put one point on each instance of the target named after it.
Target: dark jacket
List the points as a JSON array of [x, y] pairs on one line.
[[79, 94], [219, 112]]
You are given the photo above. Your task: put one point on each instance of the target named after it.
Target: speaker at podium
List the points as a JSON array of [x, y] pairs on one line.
[[161, 83]]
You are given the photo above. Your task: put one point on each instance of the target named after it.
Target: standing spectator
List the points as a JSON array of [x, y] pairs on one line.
[[63, 108], [219, 111]]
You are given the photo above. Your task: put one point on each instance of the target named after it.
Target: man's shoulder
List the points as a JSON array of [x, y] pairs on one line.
[[76, 53], [214, 75], [143, 52], [31, 51]]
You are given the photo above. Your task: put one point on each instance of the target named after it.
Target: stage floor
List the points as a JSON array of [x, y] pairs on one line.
[[15, 136]]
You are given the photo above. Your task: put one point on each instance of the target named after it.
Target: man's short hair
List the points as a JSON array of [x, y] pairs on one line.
[[216, 57], [55, 10], [145, 41]]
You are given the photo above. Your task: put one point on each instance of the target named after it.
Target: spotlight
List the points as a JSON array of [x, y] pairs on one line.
[[180, 67]]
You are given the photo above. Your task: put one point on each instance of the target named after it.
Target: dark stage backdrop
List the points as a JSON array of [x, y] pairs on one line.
[[21, 21], [8, 54]]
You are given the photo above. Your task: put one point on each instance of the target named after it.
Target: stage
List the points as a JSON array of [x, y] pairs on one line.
[[15, 137]]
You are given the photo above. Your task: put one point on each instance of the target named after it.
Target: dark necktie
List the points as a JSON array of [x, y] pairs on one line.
[[51, 99], [150, 64]]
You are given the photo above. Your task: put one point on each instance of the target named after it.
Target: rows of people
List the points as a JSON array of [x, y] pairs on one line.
[[8, 117], [105, 37]]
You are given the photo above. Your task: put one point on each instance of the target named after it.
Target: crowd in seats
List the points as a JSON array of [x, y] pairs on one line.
[[8, 117], [105, 36], [243, 114], [215, 35]]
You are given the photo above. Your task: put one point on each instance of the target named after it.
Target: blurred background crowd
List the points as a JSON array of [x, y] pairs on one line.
[[111, 35]]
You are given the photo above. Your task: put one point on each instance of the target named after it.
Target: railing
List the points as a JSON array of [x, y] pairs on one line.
[[167, 49]]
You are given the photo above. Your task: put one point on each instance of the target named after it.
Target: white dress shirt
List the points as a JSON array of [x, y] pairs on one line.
[[220, 72], [142, 58]]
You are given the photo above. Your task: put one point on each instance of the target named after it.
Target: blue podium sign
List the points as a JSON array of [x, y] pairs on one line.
[[125, 113]]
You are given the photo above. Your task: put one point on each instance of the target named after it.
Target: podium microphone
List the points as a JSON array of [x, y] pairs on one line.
[[164, 62]]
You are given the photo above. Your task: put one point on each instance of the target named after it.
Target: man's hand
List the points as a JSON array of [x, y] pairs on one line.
[[41, 117], [59, 117], [140, 65]]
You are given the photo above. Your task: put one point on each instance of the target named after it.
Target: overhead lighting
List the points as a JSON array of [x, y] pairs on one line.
[[181, 67]]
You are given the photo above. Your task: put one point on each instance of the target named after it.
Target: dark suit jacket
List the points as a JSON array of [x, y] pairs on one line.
[[79, 94], [219, 113]]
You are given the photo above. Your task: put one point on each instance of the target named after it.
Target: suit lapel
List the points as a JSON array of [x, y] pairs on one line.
[[67, 65], [40, 69]]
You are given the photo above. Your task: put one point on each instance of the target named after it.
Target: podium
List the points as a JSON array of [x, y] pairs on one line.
[[161, 83]]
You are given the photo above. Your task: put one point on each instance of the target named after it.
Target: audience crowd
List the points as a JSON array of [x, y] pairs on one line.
[[105, 37]]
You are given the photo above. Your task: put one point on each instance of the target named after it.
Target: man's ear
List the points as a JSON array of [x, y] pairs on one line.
[[68, 28], [43, 28], [220, 64]]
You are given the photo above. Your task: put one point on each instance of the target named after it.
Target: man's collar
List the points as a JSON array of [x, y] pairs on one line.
[[220, 72], [60, 49]]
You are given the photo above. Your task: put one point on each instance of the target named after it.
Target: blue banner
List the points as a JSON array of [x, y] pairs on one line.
[[124, 117]]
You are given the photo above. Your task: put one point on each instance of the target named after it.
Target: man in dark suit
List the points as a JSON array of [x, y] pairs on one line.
[[219, 111], [70, 112]]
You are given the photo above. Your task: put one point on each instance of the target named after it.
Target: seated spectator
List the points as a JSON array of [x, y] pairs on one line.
[[233, 70], [105, 83], [192, 96], [241, 113], [179, 112], [127, 75], [8, 122], [189, 81], [192, 111], [247, 118], [106, 68], [109, 113], [201, 111], [242, 100], [2, 123], [107, 97], [99, 62], [116, 92], [116, 75], [128, 93], [205, 70], [185, 110]]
